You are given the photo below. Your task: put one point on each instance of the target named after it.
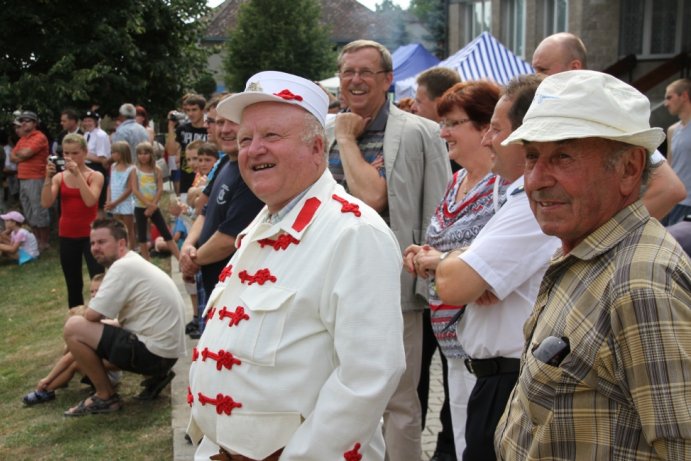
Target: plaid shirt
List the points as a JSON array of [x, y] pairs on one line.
[[622, 297]]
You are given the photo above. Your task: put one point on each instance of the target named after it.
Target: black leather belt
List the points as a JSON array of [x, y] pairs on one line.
[[495, 366]]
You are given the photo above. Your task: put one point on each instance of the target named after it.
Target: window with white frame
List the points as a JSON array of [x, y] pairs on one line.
[[476, 18], [555, 16], [654, 28], [513, 25]]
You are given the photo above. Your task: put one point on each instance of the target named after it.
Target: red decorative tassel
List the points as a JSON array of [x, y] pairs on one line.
[[353, 455], [224, 403], [222, 358], [261, 277], [235, 316], [281, 243], [225, 273], [347, 207]]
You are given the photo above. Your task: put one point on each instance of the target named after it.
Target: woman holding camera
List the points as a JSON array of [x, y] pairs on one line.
[[79, 187]]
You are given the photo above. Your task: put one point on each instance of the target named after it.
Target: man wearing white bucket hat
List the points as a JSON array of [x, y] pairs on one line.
[[302, 347], [604, 369], [565, 51]]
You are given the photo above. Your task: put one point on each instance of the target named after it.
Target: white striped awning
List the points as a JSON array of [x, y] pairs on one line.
[[483, 58]]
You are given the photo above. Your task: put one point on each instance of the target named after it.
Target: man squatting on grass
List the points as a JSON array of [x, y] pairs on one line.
[[149, 308]]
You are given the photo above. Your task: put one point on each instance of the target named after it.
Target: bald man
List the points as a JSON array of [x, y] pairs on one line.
[[564, 51], [559, 53]]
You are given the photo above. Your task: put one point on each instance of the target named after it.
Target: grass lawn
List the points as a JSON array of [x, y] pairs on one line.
[[33, 308]]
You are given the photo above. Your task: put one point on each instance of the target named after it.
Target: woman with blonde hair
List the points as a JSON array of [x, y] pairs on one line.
[[79, 188]]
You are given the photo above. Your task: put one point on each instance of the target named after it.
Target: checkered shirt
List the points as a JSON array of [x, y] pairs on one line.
[[622, 297]]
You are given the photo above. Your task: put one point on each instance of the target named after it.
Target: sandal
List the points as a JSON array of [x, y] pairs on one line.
[[154, 385], [96, 406], [38, 396]]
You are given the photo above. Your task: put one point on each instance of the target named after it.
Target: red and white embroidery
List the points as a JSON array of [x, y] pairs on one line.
[[224, 403], [280, 243], [190, 397], [223, 359], [347, 207], [235, 316], [225, 273], [261, 277], [353, 455]]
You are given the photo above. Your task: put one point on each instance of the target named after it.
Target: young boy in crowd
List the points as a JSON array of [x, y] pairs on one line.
[[206, 156]]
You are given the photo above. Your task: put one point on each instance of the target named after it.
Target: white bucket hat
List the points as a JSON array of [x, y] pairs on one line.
[[273, 86], [588, 104]]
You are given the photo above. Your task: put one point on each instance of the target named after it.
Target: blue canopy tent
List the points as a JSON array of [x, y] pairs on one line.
[[410, 60], [483, 58]]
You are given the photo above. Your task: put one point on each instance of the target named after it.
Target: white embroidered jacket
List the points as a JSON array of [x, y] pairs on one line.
[[303, 346]]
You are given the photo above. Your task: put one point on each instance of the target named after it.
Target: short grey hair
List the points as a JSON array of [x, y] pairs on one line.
[[385, 55]]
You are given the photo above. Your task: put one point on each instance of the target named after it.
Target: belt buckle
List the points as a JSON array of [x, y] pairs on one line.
[[469, 366]]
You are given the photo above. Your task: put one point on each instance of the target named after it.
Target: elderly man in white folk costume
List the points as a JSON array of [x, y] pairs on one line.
[[303, 346]]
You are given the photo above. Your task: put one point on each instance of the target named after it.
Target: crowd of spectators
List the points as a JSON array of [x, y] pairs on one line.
[[484, 191]]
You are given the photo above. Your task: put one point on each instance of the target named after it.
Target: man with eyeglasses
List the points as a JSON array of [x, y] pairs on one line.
[[31, 155], [395, 162]]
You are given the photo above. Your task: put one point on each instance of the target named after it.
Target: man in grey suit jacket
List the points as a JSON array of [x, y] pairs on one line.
[[396, 163]]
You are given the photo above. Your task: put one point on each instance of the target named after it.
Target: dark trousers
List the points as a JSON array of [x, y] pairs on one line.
[[142, 222], [485, 406], [445, 442], [71, 251]]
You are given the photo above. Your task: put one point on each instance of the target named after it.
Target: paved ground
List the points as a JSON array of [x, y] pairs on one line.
[[183, 450]]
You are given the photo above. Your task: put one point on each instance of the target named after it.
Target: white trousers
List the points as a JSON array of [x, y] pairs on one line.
[[461, 383]]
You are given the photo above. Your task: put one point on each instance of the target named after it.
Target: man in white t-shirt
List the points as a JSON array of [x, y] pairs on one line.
[[149, 309]]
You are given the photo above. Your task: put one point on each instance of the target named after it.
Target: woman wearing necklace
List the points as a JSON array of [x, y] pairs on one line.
[[472, 196], [79, 188]]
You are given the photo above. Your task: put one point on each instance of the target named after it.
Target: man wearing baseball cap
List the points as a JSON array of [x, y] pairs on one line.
[[302, 347], [607, 353], [31, 155]]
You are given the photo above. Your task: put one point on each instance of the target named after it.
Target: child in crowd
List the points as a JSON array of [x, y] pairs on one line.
[[180, 226], [17, 242], [122, 177], [147, 190], [63, 371], [207, 155]]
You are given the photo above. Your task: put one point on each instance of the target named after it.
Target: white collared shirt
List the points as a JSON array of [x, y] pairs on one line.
[[511, 254]]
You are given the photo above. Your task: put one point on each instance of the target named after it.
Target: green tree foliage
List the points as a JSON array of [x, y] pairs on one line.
[[283, 35], [432, 13], [75, 53]]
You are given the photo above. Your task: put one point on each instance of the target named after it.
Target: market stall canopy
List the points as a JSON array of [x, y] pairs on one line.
[[483, 58]]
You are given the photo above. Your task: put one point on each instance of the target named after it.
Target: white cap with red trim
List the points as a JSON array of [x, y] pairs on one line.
[[273, 86]]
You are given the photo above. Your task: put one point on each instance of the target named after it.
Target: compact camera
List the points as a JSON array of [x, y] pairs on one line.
[[59, 163], [177, 117]]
